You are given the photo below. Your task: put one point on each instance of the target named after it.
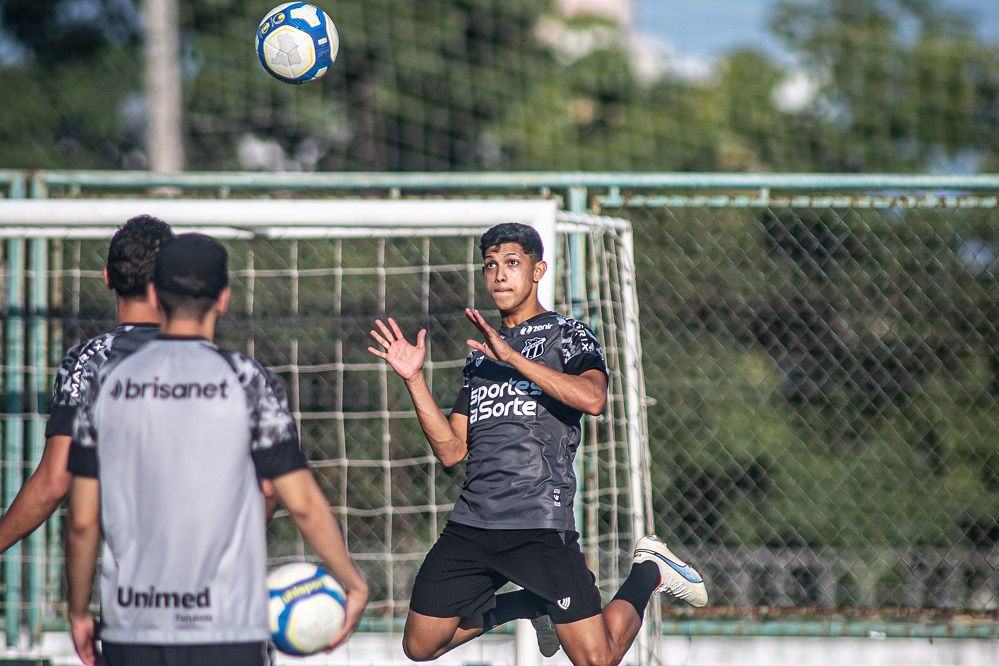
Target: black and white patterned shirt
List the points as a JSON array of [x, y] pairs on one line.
[[521, 442], [83, 359], [179, 434]]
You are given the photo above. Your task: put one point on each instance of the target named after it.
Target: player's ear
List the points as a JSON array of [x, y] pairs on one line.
[[540, 269], [222, 303], [107, 279]]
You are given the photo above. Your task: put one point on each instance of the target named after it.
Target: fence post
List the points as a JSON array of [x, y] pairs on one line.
[[37, 372], [13, 431]]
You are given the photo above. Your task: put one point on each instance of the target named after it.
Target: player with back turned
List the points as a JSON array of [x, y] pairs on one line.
[[168, 449], [517, 422], [131, 257]]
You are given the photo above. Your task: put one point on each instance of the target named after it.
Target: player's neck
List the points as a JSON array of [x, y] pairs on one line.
[[136, 311], [521, 314], [180, 327]]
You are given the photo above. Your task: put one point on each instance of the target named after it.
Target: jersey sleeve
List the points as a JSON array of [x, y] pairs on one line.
[[462, 404], [275, 445], [83, 449], [581, 351], [66, 393]]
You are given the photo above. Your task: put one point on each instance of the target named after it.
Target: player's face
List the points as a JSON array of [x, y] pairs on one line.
[[511, 276]]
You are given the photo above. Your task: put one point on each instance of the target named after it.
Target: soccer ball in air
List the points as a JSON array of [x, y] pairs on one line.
[[306, 608], [297, 42]]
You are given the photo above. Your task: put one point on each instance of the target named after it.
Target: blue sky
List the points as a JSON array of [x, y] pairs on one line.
[[705, 28]]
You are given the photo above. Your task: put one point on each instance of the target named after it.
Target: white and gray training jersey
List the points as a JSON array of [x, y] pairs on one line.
[[85, 358], [521, 442], [178, 435]]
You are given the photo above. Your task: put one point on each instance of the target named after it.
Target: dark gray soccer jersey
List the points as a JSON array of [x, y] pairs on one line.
[[521, 442], [177, 434], [90, 356]]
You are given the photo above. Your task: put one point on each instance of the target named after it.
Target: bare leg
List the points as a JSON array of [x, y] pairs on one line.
[[601, 640], [426, 638]]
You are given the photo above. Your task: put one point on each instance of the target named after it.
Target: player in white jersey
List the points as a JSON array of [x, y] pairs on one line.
[[168, 451], [516, 422], [131, 258]]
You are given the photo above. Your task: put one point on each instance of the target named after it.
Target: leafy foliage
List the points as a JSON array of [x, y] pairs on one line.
[[475, 84]]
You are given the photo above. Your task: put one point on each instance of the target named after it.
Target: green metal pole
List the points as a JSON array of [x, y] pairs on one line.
[[16, 188], [54, 553], [38, 350], [13, 432]]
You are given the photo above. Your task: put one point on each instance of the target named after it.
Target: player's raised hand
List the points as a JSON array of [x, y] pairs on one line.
[[405, 358], [495, 347]]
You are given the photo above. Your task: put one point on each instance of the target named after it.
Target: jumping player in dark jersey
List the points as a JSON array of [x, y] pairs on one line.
[[168, 449], [517, 422], [131, 257]]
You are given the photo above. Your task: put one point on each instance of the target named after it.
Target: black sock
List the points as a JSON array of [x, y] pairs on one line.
[[520, 604], [639, 586]]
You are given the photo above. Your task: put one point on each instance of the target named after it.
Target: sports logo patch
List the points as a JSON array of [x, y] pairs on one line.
[[533, 348], [564, 603]]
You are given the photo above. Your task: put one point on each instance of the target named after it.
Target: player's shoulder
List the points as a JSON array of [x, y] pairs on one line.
[[577, 339], [81, 361], [572, 328], [93, 348], [249, 370], [239, 362]]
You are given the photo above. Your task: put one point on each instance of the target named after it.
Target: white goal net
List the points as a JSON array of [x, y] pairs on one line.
[[309, 278]]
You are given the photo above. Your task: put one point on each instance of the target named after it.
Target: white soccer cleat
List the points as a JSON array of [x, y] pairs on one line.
[[677, 578], [548, 641]]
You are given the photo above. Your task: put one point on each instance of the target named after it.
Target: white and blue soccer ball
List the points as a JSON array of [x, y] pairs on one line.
[[297, 42], [306, 608]]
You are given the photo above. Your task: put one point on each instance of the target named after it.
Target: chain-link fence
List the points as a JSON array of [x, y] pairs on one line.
[[820, 354], [459, 85], [825, 376]]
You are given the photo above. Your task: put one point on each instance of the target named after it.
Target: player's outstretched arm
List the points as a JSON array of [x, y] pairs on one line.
[[83, 535], [311, 513], [447, 438], [40, 495]]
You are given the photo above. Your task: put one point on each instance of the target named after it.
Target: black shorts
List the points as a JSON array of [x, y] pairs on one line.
[[213, 654], [467, 565]]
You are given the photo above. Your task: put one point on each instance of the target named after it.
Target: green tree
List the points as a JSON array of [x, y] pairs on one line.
[[74, 86], [414, 87], [905, 82]]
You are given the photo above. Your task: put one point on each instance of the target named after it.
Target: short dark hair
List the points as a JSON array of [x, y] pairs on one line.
[[191, 272], [192, 264], [181, 305], [526, 237], [132, 254]]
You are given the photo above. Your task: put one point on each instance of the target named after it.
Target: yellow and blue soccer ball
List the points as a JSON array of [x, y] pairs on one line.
[[297, 42], [306, 608]]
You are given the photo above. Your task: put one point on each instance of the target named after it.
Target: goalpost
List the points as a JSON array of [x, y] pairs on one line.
[[309, 277]]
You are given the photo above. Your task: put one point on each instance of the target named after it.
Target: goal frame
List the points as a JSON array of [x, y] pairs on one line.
[[27, 224]]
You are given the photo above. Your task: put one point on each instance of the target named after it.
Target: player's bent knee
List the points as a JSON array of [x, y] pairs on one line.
[[591, 656], [416, 650]]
